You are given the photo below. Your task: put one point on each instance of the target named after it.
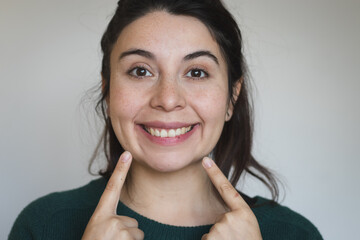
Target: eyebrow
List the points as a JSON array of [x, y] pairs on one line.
[[201, 54], [151, 56], [140, 52]]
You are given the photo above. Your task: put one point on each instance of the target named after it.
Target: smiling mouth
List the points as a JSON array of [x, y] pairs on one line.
[[168, 133]]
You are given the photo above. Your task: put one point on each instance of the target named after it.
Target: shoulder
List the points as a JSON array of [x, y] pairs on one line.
[[82, 197], [59, 208], [280, 222]]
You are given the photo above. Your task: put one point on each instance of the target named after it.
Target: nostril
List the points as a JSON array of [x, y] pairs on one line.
[[168, 97]]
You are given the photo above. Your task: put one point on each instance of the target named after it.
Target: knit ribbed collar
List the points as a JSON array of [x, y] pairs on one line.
[[159, 231]]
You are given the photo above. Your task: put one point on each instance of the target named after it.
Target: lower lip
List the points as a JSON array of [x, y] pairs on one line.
[[168, 141]]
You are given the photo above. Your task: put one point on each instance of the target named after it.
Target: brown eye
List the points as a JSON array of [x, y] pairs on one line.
[[140, 72], [197, 73]]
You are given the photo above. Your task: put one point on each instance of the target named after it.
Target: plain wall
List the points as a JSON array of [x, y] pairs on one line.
[[304, 59]]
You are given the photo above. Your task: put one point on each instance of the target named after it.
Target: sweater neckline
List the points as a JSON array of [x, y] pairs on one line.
[[157, 230], [123, 207]]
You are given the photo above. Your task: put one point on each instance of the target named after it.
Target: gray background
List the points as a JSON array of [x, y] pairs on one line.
[[304, 57]]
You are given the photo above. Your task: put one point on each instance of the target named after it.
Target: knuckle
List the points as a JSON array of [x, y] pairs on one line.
[[114, 223], [217, 228], [128, 221], [111, 186], [124, 234], [211, 237], [228, 217], [246, 214], [134, 222], [225, 187]]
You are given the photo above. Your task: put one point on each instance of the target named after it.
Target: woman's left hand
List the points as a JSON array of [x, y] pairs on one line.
[[240, 222]]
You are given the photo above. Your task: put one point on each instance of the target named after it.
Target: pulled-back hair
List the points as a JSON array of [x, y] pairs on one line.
[[234, 148]]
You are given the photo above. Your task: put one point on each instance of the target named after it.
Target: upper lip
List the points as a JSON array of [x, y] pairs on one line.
[[166, 125]]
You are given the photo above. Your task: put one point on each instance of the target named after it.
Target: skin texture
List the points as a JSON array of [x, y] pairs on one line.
[[168, 94], [169, 183]]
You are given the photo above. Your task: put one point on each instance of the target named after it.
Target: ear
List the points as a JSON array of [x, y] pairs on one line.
[[103, 85], [236, 92]]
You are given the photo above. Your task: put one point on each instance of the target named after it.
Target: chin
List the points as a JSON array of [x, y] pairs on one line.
[[167, 163]]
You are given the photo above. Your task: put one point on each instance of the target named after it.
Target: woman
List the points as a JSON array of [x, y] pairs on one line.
[[174, 93]]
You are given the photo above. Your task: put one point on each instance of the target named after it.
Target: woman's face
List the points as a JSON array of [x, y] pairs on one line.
[[168, 91]]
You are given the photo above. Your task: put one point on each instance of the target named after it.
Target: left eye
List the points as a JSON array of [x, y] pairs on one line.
[[140, 72], [197, 73]]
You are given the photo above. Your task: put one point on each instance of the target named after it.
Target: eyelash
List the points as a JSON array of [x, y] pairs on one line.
[[203, 72], [132, 74]]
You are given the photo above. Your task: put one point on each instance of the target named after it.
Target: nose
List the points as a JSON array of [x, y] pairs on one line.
[[168, 95]]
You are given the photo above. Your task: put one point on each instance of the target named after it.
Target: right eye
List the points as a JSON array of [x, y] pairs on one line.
[[140, 72]]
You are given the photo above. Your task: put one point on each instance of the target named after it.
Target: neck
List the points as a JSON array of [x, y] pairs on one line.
[[183, 198]]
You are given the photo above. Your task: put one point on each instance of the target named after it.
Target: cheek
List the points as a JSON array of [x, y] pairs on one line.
[[211, 108], [122, 102], [123, 107], [211, 104]]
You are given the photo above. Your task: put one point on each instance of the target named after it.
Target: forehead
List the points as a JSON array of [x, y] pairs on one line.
[[167, 35]]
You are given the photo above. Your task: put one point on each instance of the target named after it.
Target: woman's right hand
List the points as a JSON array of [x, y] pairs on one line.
[[105, 224]]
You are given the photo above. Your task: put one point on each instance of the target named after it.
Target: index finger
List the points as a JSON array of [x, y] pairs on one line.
[[111, 195], [228, 193]]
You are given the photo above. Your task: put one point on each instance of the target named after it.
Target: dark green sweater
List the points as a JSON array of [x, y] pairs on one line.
[[64, 215]]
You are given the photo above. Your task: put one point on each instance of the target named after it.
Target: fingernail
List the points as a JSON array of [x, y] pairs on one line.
[[125, 157], [207, 162]]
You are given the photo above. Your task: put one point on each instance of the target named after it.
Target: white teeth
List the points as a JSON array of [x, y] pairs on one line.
[[171, 133], [168, 132], [178, 132], [157, 133], [183, 130], [163, 133]]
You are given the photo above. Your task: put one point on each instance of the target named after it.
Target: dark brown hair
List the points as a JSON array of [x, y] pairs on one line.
[[233, 150]]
